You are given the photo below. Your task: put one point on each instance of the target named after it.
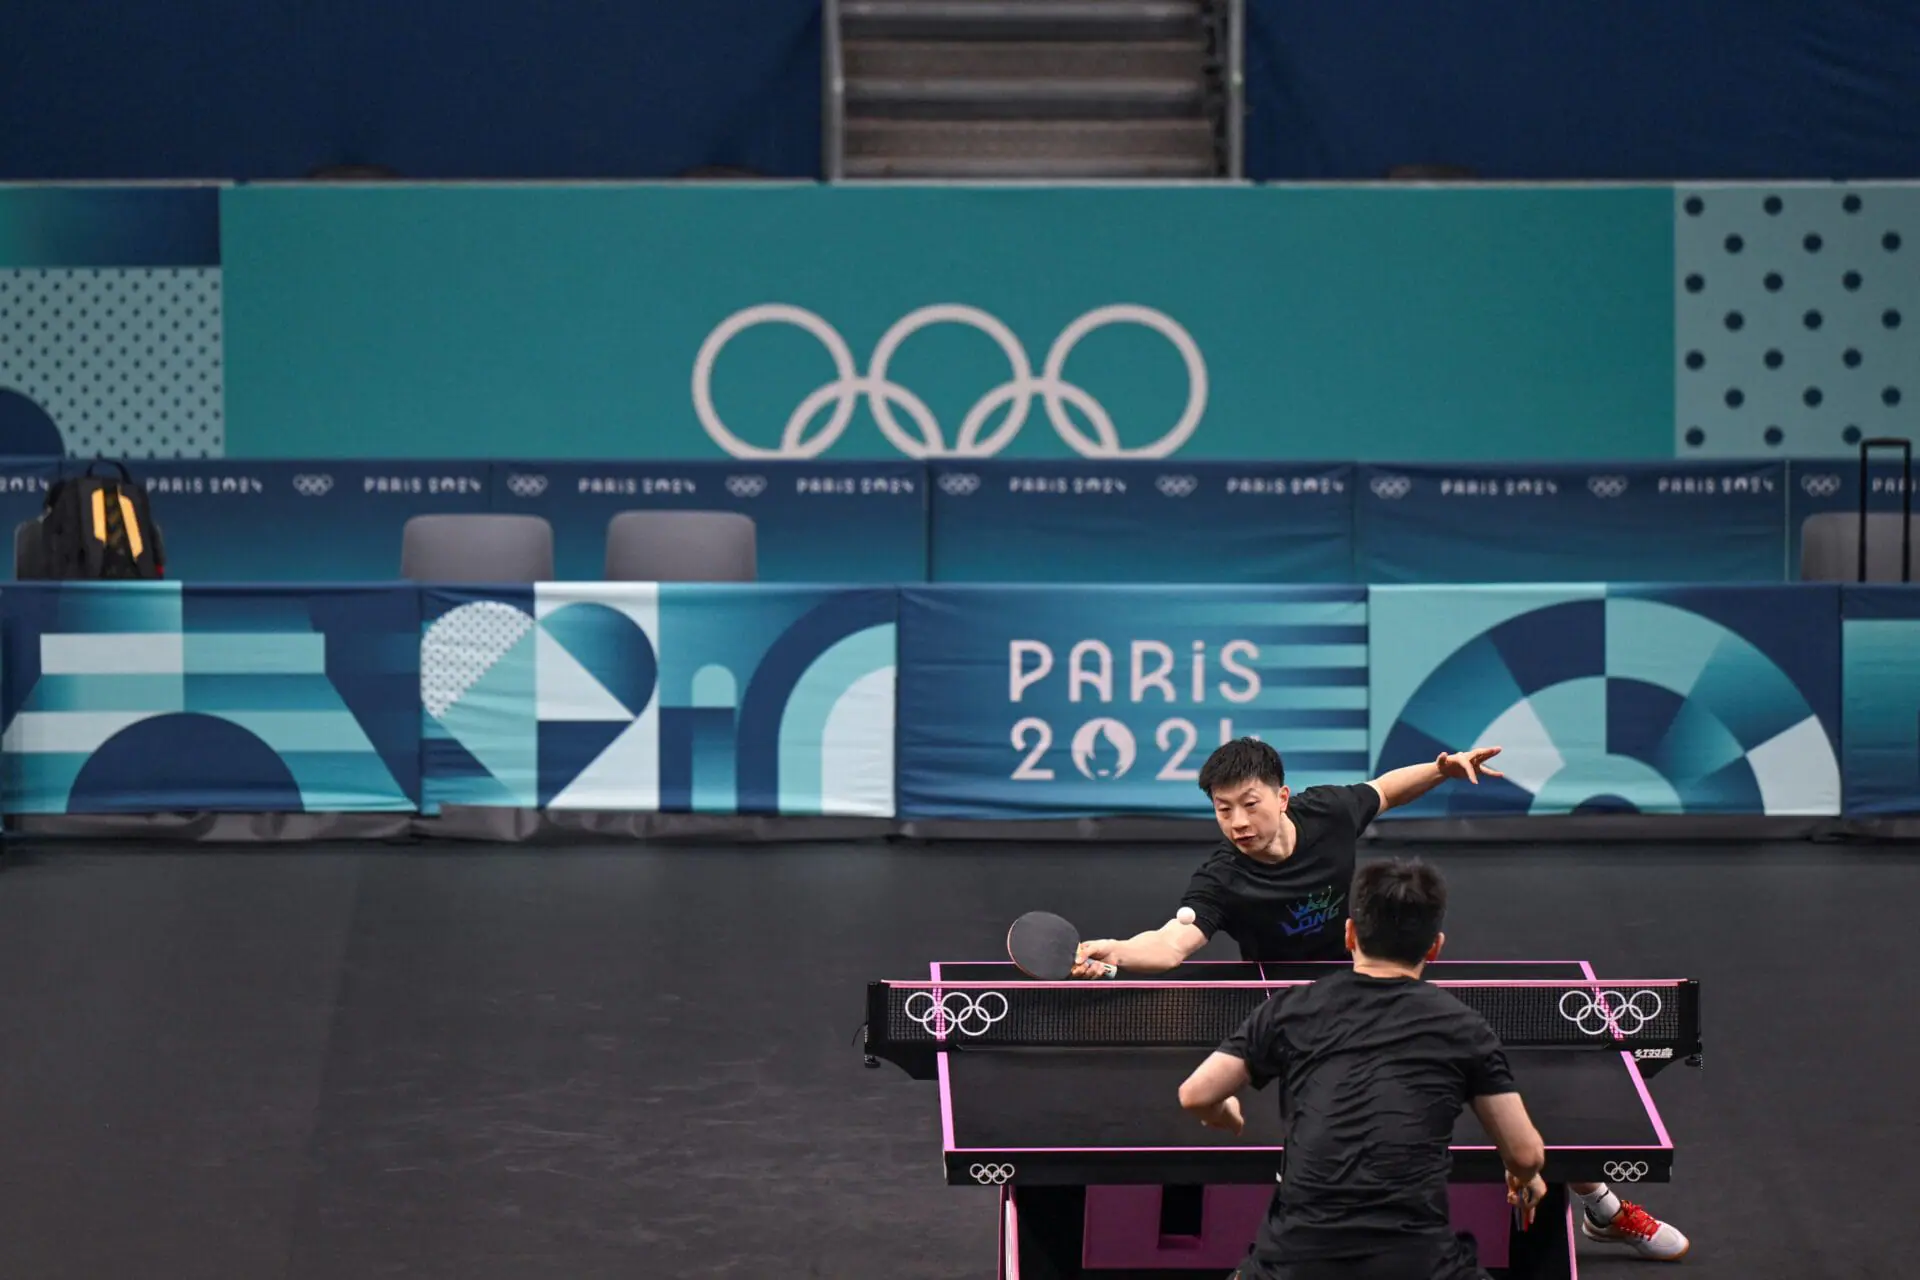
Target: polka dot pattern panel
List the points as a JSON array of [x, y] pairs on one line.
[[1796, 318], [126, 361]]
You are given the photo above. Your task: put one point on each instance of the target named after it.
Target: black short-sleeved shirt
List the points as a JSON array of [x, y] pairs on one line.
[[1374, 1072], [1296, 909]]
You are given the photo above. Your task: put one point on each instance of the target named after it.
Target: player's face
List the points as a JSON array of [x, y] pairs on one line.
[[1249, 814]]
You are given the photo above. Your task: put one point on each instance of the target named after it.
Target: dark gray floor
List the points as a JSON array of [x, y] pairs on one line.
[[485, 1064]]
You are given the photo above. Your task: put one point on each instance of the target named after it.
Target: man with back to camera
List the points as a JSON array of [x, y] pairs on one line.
[[1375, 1065], [1278, 886]]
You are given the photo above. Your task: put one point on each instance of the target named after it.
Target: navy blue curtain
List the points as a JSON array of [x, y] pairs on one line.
[[1625, 89], [250, 89]]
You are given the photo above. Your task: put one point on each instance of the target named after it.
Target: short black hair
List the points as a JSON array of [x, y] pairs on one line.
[[1397, 908], [1241, 761]]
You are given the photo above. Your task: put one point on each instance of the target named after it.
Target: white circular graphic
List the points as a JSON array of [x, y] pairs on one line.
[[991, 1174], [525, 486], [956, 1011], [959, 484], [1624, 1170], [312, 486], [1177, 486], [1104, 748], [746, 486], [1606, 486], [1599, 1012], [1391, 487], [922, 436], [1820, 486]]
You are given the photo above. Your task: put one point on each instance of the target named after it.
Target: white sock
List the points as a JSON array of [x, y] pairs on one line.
[[1602, 1205]]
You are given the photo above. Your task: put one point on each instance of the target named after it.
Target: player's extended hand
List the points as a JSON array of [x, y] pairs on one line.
[[1091, 957], [1226, 1117], [1469, 766], [1526, 1197]]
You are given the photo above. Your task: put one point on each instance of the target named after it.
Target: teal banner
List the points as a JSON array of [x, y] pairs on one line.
[[803, 322]]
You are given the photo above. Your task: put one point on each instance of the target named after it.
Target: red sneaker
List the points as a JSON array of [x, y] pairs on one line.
[[1638, 1230]]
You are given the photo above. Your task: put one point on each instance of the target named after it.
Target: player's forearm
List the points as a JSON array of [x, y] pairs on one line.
[[1405, 785], [1524, 1162], [1147, 953]]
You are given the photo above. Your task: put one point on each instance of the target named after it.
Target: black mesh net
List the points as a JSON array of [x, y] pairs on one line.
[[1093, 1014]]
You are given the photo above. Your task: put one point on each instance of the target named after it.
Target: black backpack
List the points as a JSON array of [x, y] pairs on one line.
[[94, 527]]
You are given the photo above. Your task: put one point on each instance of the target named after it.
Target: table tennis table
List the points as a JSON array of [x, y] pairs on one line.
[[1064, 1096]]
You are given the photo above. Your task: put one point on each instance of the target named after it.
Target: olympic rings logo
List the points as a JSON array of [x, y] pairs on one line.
[[1624, 1170], [1177, 486], [1821, 486], [959, 484], [523, 486], [311, 486], [1606, 486], [991, 1174], [959, 1011], [746, 486], [926, 438], [1605, 1011], [1391, 487]]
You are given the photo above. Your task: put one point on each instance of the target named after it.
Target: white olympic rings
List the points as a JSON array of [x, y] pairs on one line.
[[926, 440], [1624, 1170], [971, 1016], [1820, 486], [991, 1174], [1609, 1011]]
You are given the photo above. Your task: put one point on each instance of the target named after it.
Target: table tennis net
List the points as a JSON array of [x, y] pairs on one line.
[[1199, 1015]]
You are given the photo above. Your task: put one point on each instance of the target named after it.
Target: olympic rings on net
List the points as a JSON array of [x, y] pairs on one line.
[[1609, 1011], [957, 1011]]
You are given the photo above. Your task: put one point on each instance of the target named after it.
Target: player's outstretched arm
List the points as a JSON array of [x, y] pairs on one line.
[[1154, 951], [1404, 786], [1209, 1092], [1504, 1117]]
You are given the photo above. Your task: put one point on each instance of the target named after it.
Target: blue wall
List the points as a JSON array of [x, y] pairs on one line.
[[1634, 90], [433, 88]]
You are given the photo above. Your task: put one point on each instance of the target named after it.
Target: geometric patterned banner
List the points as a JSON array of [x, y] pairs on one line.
[[1614, 699], [155, 697], [670, 698]]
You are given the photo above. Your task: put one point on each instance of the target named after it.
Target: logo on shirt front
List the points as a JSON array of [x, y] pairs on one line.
[[1311, 914]]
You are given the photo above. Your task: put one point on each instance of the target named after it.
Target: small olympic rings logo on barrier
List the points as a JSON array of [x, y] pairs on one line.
[[746, 486], [1820, 486], [959, 484], [1624, 1170], [1598, 1012], [957, 1011], [312, 486], [1177, 486], [1391, 487], [991, 1174], [521, 486], [1606, 486]]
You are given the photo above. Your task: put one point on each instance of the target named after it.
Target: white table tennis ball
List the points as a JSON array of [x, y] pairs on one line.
[[1184, 915]]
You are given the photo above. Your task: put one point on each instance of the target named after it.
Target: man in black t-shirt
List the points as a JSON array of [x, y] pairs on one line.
[[1375, 1066], [1278, 883]]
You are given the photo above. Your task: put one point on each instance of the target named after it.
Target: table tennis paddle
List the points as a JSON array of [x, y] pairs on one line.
[[1045, 946]]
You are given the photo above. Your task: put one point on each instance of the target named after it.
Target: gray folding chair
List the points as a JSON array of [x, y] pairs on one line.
[[1830, 547], [1855, 546], [681, 546], [26, 550], [477, 549]]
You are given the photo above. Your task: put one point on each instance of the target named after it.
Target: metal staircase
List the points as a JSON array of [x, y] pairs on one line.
[[1033, 89]]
